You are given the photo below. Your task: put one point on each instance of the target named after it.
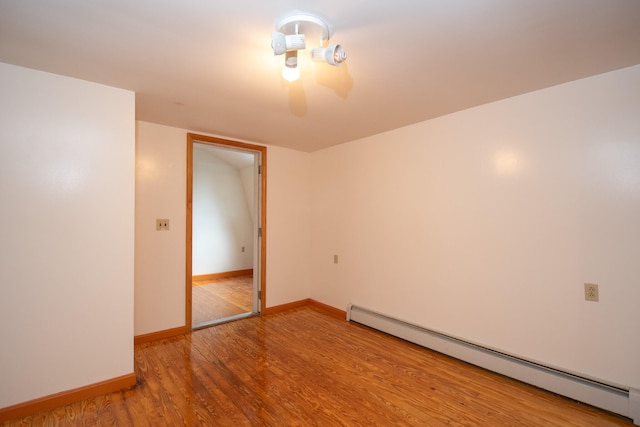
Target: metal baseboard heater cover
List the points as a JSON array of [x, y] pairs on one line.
[[616, 398]]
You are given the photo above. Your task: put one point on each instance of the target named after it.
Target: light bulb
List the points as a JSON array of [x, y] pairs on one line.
[[339, 55], [290, 71], [290, 74]]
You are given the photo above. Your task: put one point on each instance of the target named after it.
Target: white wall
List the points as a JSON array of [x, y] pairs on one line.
[[288, 226], [160, 269], [66, 251], [222, 221], [160, 256], [247, 177], [486, 223]]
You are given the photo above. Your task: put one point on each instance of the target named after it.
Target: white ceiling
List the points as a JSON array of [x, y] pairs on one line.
[[207, 66]]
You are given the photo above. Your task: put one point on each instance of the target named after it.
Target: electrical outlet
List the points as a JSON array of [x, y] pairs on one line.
[[591, 292], [162, 224], [335, 259], [242, 249]]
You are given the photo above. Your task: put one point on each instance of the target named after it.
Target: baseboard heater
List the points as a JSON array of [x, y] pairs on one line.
[[611, 397]]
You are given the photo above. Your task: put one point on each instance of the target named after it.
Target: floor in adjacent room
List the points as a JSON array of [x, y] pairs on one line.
[[221, 298]]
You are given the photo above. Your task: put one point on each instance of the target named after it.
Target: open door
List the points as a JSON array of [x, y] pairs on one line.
[[221, 176]]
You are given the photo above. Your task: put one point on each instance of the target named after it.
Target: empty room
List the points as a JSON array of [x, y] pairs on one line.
[[297, 213]]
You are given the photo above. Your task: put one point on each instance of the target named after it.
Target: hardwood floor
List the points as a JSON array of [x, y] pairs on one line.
[[303, 367], [219, 298]]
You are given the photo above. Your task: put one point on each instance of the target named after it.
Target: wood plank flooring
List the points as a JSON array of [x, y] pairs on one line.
[[303, 367], [219, 298]]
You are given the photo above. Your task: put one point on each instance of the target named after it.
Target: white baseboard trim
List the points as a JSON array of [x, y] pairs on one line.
[[611, 397]]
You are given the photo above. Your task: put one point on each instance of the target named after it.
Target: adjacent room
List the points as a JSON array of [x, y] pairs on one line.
[[294, 213], [223, 217]]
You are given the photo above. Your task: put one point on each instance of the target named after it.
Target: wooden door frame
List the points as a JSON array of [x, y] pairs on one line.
[[191, 139]]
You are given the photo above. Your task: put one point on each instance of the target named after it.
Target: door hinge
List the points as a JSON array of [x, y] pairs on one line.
[[260, 232], [259, 169], [260, 295]]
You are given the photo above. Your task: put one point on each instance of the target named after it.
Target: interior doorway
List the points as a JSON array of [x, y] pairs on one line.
[[225, 248]]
